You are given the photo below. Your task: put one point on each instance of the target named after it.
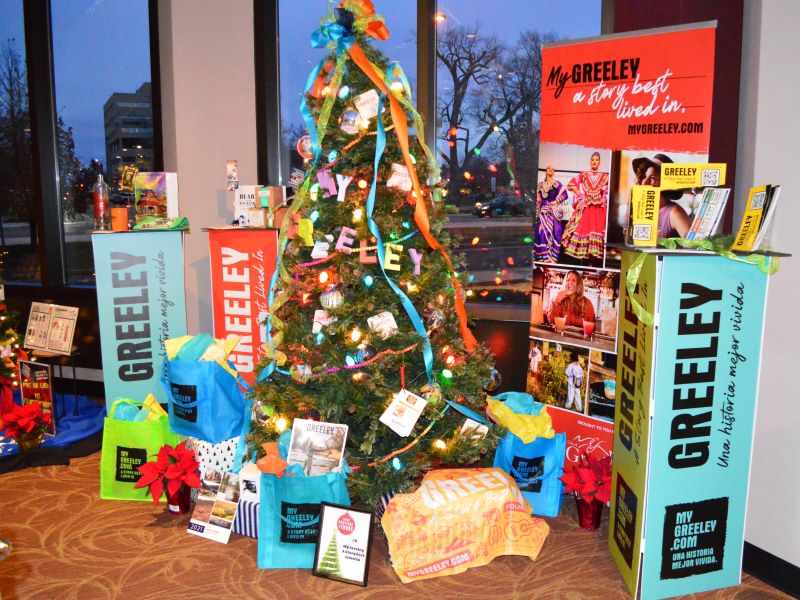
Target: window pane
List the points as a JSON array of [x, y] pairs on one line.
[[489, 130], [18, 202], [298, 20], [101, 53]]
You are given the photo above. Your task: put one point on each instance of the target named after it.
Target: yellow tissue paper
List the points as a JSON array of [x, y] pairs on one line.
[[525, 427], [156, 410]]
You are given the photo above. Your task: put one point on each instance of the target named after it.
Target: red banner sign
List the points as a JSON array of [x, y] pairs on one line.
[[585, 435], [242, 264], [643, 92]]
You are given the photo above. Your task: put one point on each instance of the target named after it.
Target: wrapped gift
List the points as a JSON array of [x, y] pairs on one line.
[[214, 457], [246, 520], [476, 514]]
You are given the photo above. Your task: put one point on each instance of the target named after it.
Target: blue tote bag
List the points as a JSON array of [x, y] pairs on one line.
[[289, 513], [536, 467], [205, 400]]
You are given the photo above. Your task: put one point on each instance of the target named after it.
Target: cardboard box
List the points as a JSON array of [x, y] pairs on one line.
[[272, 196], [687, 380]]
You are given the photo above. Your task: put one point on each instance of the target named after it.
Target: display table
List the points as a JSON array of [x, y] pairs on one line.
[[242, 263], [686, 397], [140, 303]]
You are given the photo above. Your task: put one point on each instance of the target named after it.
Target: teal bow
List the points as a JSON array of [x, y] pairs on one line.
[[333, 35]]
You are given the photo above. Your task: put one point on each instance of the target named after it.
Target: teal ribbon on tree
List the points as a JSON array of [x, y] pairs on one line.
[[411, 311]]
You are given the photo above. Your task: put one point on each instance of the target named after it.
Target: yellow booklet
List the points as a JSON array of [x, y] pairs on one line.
[[644, 215], [751, 220]]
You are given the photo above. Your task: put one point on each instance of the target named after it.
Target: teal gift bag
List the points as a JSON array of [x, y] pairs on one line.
[[536, 467], [288, 517], [205, 400]]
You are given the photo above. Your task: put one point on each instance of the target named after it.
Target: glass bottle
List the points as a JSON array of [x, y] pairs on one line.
[[102, 204]]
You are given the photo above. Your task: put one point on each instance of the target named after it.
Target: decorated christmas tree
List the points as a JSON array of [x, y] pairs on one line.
[[367, 324]]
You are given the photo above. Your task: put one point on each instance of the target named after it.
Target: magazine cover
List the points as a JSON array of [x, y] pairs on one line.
[[155, 195], [317, 446]]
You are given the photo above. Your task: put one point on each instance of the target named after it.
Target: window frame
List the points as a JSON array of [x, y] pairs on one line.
[[38, 25]]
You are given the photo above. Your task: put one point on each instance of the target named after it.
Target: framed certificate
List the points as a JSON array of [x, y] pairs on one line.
[[344, 544]]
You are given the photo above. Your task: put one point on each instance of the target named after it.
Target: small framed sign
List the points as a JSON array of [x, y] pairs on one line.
[[344, 544]]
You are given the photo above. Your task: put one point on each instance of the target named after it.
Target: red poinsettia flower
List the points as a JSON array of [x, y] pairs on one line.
[[173, 468], [590, 479], [24, 419]]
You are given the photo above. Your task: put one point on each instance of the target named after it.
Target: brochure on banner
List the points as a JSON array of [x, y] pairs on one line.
[[758, 216], [708, 215]]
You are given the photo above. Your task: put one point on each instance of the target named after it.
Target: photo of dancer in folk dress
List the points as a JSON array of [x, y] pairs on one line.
[[585, 234]]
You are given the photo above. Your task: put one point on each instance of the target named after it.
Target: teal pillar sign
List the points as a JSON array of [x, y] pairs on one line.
[[141, 303]]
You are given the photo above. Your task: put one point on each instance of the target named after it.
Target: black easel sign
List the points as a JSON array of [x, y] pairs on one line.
[[36, 385], [344, 544]]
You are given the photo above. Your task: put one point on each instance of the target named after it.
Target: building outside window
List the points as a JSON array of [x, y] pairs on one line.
[[18, 215]]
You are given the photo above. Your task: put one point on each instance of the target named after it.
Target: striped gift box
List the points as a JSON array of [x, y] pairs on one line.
[[246, 520]]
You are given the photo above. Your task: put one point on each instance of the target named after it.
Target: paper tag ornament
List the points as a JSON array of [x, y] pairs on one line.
[[472, 427], [321, 319], [320, 250], [399, 178], [367, 104], [296, 177], [403, 412], [383, 324]]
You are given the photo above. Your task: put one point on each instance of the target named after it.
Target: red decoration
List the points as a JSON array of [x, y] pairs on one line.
[[345, 524], [174, 467], [590, 478], [24, 420]]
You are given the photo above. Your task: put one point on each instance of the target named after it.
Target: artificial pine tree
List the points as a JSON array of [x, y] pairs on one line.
[[330, 560], [376, 250]]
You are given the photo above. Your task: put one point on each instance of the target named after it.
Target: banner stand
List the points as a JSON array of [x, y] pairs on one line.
[[242, 262]]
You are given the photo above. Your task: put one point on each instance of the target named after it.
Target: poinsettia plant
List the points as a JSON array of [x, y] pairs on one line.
[[24, 420], [589, 478], [173, 468]]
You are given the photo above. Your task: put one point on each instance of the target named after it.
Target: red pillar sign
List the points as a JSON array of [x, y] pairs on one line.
[[242, 264]]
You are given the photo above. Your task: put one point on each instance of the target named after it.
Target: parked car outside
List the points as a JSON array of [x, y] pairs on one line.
[[506, 205]]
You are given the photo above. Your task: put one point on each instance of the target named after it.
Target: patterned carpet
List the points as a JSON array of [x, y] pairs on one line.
[[69, 544]]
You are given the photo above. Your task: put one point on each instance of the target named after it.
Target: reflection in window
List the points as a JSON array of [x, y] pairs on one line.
[[101, 52], [489, 83], [298, 20], [18, 233]]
